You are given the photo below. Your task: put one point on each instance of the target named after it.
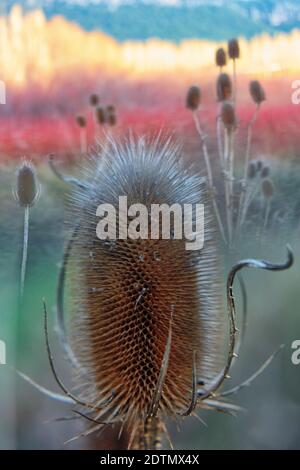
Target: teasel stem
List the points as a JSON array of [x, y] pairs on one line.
[[267, 214], [83, 141], [227, 176], [209, 173], [234, 81], [25, 249], [219, 140], [246, 163], [249, 195]]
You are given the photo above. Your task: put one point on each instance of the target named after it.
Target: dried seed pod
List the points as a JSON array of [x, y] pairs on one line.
[[224, 87], [27, 186], [193, 98], [257, 92], [221, 57], [228, 116], [251, 170], [233, 49], [134, 299], [94, 99], [265, 172], [100, 115], [267, 188], [81, 121]]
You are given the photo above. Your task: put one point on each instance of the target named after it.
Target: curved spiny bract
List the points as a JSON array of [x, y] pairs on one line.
[[127, 294]]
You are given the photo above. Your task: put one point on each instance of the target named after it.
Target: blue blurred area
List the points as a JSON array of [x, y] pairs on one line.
[[175, 20]]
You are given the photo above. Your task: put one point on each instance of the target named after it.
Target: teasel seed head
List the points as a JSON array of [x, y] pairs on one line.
[[265, 172], [94, 99], [257, 92], [228, 116], [81, 121], [126, 293], [252, 170], [224, 87], [221, 57], [193, 98], [267, 188], [233, 49], [100, 115], [27, 190]]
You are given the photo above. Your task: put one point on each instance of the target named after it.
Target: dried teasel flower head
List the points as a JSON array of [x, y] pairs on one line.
[[224, 87], [257, 92], [193, 98], [267, 188], [265, 172], [27, 190], [100, 115], [221, 57], [134, 299], [94, 99], [81, 121], [252, 170], [233, 49], [228, 116]]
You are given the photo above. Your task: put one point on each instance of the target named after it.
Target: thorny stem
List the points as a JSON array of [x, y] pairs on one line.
[[247, 263], [209, 173], [25, 249]]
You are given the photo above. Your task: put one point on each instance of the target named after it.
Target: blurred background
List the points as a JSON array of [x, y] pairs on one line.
[[74, 70]]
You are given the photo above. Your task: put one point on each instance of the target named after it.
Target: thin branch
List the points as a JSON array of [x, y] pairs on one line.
[[248, 381]]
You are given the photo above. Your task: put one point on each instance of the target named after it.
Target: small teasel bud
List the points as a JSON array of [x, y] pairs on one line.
[[228, 116], [100, 115], [81, 121], [233, 49], [267, 188], [193, 98], [94, 99], [259, 165], [26, 193], [221, 57], [257, 92], [265, 172], [251, 170], [224, 87], [27, 185]]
